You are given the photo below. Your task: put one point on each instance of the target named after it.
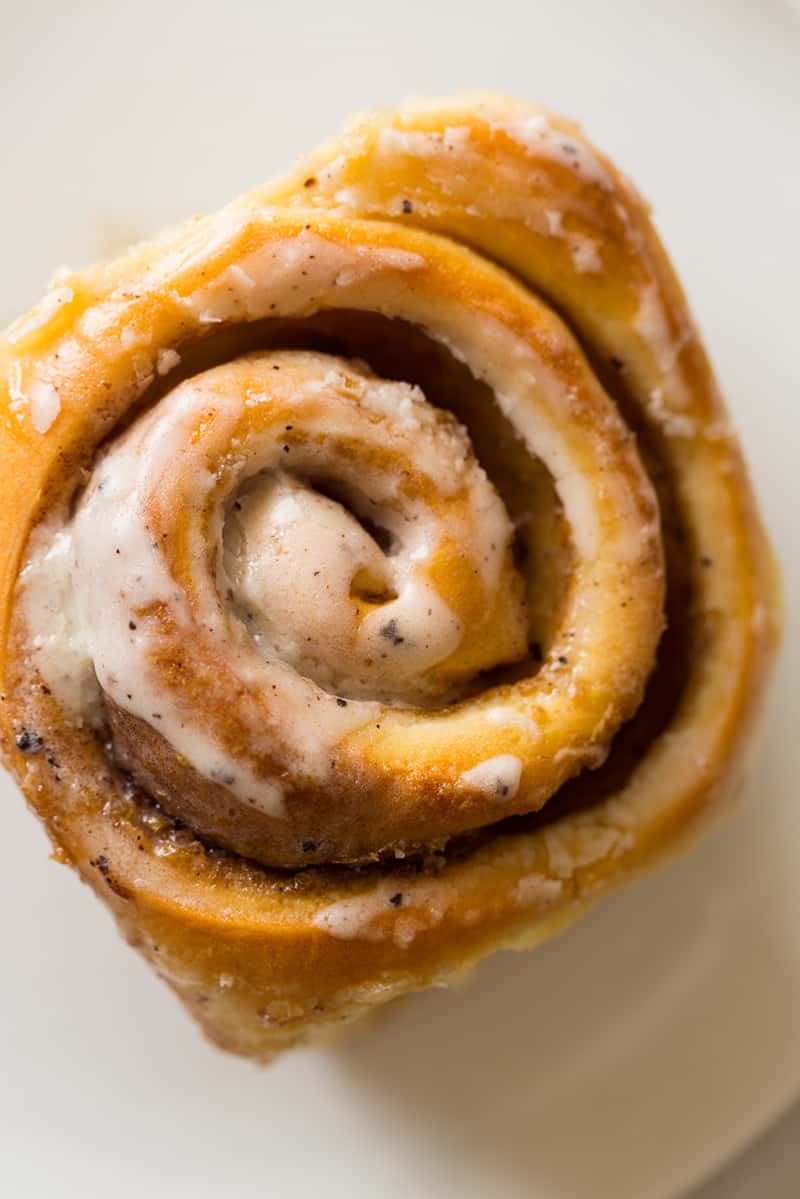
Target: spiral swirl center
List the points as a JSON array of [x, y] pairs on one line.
[[346, 587]]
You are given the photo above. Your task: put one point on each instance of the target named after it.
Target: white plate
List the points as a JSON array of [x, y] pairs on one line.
[[629, 1057]]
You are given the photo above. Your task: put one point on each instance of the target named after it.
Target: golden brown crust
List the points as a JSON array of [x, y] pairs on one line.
[[261, 957]]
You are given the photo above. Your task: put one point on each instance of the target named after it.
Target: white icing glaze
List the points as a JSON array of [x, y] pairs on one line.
[[18, 399], [674, 424], [240, 275], [44, 404], [498, 776], [166, 360], [36, 396], [511, 718], [109, 588], [395, 910], [399, 909], [537, 889], [295, 557], [540, 139], [651, 323], [421, 143], [59, 646], [578, 846], [585, 253], [351, 919], [129, 337], [306, 266], [554, 222]]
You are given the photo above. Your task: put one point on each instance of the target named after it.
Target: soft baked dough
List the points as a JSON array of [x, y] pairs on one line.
[[566, 572]]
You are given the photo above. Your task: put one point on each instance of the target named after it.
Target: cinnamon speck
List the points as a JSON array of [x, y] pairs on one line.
[[28, 742]]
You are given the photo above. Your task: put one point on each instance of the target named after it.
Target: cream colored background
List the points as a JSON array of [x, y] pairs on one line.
[[627, 1059]]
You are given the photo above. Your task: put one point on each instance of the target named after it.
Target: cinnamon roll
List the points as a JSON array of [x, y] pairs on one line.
[[381, 579]]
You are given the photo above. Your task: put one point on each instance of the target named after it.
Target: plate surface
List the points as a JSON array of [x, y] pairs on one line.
[[628, 1058]]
